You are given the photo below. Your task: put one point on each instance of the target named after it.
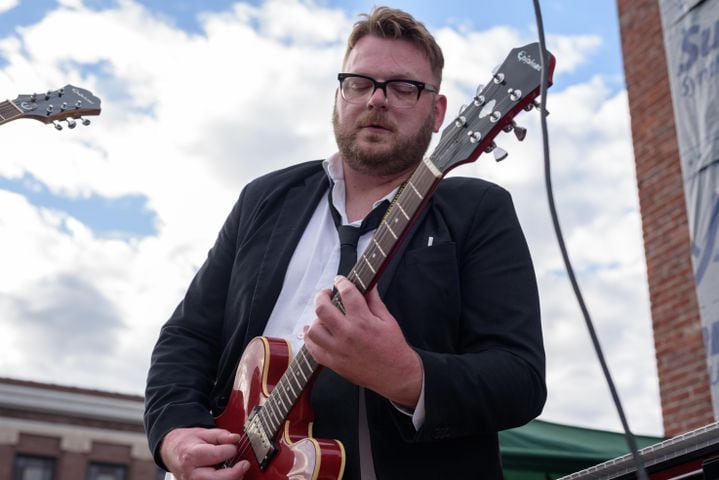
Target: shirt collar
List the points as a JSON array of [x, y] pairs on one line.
[[334, 168]]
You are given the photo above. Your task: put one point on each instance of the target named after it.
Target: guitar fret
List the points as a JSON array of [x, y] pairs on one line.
[[399, 205], [379, 247], [414, 189], [285, 398], [359, 279], [263, 422], [390, 230], [303, 355], [271, 418], [304, 377], [276, 417], [291, 388], [369, 264], [299, 384]]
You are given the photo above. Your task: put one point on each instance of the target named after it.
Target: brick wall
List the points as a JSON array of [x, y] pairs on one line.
[[681, 361]]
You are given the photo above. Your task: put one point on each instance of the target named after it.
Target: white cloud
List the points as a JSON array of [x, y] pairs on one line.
[[188, 119], [6, 5]]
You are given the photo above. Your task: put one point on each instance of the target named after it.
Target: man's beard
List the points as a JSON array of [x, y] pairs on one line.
[[391, 160]]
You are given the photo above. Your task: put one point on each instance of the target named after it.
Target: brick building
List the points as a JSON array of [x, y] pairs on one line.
[[50, 432], [681, 358]]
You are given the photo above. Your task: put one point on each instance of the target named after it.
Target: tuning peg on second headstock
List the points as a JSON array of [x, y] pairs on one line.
[[57, 125], [85, 121], [71, 122]]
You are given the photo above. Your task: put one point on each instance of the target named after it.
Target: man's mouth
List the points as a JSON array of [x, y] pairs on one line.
[[377, 126]]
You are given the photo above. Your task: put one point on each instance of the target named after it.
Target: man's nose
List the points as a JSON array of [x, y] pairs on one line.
[[378, 97]]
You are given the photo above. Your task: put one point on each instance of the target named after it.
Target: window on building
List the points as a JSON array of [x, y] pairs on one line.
[[28, 467], [106, 471]]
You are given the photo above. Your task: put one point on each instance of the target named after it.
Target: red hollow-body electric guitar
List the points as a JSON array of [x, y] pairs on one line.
[[269, 403]]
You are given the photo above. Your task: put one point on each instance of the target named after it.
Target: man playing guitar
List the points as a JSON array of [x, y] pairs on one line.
[[421, 370]]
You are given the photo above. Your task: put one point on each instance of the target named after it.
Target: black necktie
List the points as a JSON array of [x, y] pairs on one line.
[[349, 235]]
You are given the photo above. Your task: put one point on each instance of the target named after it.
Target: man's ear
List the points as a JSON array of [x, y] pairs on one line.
[[440, 108]]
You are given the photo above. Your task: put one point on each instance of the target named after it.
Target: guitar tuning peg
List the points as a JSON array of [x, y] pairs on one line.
[[85, 121], [538, 106], [71, 123], [480, 87], [499, 154], [462, 108], [514, 94], [520, 132], [498, 77], [57, 125]]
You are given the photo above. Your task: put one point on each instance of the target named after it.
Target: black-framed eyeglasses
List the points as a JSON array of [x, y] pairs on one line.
[[356, 88]]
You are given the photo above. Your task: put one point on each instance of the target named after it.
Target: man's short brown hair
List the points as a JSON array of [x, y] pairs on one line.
[[391, 23]]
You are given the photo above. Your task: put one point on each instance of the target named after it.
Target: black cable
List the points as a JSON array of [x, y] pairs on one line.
[[631, 441]]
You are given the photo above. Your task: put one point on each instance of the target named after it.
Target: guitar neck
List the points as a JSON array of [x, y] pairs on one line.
[[686, 450], [394, 227], [8, 111], [401, 214]]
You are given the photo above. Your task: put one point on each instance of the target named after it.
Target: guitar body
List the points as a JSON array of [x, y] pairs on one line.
[[298, 455]]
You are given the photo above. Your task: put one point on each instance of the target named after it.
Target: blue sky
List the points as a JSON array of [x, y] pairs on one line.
[[103, 226], [129, 215]]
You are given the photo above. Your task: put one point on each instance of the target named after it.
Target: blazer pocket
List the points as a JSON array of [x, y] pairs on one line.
[[426, 297]]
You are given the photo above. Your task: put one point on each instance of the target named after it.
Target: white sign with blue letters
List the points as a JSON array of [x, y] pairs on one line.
[[691, 38]]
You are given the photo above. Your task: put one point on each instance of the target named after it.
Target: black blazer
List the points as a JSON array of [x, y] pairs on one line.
[[468, 304]]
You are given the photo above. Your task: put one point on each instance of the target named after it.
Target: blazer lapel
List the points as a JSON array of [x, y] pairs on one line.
[[294, 213]]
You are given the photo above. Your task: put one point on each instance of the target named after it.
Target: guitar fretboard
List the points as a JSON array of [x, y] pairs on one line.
[[8, 111]]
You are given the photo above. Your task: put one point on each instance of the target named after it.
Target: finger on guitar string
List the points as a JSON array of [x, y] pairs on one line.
[[219, 436], [184, 450], [353, 300]]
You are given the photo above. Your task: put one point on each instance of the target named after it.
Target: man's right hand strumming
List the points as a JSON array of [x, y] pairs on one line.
[[194, 453]]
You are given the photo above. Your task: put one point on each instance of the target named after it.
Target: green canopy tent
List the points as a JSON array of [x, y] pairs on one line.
[[542, 450]]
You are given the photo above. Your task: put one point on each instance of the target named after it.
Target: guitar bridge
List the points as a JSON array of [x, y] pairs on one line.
[[262, 445]]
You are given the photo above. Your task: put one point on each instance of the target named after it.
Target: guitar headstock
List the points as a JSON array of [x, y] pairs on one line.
[[69, 103], [514, 87]]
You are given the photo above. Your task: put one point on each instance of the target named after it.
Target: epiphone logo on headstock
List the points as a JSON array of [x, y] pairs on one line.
[[77, 92], [524, 57]]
